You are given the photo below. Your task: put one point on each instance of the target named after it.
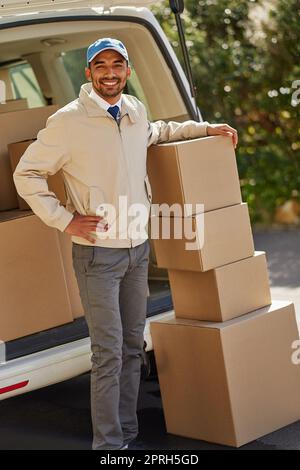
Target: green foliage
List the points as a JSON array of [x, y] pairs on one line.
[[245, 57]]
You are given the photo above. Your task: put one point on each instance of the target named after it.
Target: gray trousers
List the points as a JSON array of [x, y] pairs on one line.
[[113, 286]]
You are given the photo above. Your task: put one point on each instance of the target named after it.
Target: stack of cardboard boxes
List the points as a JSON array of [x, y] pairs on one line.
[[225, 361], [38, 289]]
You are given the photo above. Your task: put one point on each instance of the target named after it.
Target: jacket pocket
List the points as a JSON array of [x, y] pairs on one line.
[[148, 189]]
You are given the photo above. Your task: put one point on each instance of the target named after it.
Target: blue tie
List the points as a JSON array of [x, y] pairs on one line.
[[114, 111]]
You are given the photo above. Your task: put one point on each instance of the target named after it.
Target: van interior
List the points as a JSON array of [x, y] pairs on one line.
[[44, 64]]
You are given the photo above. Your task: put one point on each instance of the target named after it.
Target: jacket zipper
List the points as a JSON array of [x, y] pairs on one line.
[[118, 123]]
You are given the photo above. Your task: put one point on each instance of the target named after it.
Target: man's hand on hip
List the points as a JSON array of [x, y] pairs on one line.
[[223, 129], [83, 225]]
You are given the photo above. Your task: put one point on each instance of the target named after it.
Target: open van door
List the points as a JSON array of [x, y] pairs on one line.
[[17, 7]]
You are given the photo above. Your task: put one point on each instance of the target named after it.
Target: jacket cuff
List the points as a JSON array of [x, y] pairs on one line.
[[204, 125], [64, 220]]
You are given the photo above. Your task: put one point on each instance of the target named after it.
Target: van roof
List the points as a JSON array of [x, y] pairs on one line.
[[15, 7]]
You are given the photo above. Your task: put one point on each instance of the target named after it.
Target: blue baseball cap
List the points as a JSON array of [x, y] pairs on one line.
[[104, 44]]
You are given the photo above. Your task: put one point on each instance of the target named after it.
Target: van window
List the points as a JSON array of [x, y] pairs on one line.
[[75, 63], [25, 85], [56, 52]]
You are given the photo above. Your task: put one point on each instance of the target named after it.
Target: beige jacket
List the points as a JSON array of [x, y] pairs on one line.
[[100, 161]]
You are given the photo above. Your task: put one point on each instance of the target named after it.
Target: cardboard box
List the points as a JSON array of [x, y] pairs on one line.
[[33, 289], [55, 182], [227, 238], [14, 127], [6, 85], [231, 382], [194, 171], [222, 293], [13, 105], [65, 244]]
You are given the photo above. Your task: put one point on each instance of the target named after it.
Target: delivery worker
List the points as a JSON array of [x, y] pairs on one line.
[[100, 142]]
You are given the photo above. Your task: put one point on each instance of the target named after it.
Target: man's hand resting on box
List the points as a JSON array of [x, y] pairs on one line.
[[223, 129], [83, 225]]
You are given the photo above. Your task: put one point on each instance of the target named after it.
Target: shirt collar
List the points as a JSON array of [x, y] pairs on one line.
[[128, 105], [101, 102]]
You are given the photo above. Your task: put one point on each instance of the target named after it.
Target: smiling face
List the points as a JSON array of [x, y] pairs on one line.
[[109, 73]]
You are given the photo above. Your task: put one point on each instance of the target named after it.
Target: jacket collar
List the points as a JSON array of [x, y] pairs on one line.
[[93, 109]]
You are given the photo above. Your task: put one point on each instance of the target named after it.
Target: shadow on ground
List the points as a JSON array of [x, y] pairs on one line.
[[283, 255]]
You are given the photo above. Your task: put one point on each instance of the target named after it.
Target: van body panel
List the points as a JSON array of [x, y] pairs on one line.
[[17, 7], [55, 364]]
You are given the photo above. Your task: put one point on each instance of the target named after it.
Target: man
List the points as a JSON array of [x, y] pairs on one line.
[[100, 142]]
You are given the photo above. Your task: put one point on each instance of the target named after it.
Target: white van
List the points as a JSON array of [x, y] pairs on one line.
[[42, 57]]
